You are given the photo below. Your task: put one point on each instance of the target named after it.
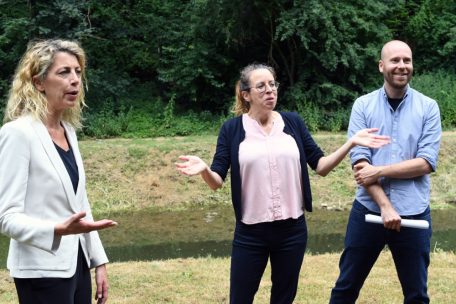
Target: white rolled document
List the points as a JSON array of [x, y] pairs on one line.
[[421, 224]]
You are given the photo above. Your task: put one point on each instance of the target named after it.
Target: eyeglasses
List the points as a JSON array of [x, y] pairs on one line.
[[261, 87]]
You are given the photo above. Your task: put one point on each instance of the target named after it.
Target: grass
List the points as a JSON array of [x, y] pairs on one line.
[[133, 174], [206, 280], [137, 178]]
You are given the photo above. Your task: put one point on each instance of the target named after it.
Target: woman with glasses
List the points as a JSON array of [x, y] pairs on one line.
[[268, 153]]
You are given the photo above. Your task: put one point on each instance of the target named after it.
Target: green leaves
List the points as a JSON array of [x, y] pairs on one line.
[[325, 52]]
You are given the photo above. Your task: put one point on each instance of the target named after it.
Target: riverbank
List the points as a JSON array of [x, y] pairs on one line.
[[134, 174], [134, 181], [206, 280]]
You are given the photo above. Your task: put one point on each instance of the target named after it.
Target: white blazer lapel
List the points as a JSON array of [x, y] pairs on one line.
[[56, 161]]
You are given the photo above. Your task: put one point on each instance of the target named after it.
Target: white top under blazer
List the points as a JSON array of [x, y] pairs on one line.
[[36, 193]]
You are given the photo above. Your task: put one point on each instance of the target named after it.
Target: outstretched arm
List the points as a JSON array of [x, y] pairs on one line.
[[193, 165], [362, 138]]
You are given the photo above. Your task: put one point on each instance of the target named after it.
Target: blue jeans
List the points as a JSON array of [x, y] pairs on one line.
[[284, 243], [364, 241]]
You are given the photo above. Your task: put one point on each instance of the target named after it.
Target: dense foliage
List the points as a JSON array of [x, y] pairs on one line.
[[158, 66]]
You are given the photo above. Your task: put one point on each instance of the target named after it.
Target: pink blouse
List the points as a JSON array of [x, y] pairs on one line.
[[270, 173]]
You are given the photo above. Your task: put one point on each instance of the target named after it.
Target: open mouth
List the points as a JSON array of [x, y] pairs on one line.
[[401, 76]]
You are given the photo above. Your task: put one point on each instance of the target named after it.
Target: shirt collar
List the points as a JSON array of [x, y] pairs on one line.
[[385, 96]]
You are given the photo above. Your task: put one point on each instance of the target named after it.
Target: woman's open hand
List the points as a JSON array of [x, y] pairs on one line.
[[365, 138], [191, 165], [76, 224]]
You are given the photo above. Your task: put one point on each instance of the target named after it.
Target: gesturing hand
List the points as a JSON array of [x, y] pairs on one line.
[[365, 138], [76, 224], [192, 165]]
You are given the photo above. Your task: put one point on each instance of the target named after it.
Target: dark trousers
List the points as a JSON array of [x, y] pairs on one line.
[[74, 290], [284, 243], [364, 241]]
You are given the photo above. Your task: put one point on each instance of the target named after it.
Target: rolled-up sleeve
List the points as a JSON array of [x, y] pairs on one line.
[[358, 122], [429, 143]]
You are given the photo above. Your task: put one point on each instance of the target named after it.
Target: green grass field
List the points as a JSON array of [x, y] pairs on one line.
[[134, 175], [206, 280]]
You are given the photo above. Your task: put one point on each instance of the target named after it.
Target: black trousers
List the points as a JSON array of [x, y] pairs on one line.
[[74, 290], [283, 243]]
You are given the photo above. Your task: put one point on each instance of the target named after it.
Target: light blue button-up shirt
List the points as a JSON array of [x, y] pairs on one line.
[[415, 131]]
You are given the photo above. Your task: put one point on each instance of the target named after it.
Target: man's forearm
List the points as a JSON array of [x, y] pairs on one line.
[[406, 169], [378, 195]]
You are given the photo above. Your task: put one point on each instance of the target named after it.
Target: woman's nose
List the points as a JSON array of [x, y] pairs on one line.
[[75, 77]]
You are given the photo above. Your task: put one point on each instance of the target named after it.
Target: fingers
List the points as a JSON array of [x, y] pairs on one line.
[[98, 293], [372, 130], [77, 217], [393, 224], [381, 137], [184, 157], [105, 293], [183, 167], [101, 280], [102, 294], [359, 166], [101, 224]]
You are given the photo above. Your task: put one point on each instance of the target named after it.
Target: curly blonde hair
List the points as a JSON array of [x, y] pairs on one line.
[[242, 106], [24, 98]]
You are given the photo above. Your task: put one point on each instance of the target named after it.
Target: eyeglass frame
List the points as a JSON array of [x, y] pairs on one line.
[[274, 87]]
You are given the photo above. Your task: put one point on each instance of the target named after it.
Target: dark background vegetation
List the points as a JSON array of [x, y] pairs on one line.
[[168, 67]]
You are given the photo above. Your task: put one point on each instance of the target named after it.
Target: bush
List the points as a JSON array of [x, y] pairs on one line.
[[148, 122], [155, 118], [104, 124], [441, 86]]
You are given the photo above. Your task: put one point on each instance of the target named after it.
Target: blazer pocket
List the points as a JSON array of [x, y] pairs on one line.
[[32, 258]]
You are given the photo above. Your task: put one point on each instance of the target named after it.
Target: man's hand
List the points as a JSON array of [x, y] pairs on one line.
[[366, 174], [391, 219]]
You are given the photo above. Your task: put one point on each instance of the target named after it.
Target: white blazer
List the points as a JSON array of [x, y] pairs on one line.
[[36, 193]]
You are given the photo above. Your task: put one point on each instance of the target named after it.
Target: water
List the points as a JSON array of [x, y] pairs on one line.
[[208, 232]]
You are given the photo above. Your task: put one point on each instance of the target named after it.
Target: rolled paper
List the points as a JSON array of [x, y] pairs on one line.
[[420, 224]]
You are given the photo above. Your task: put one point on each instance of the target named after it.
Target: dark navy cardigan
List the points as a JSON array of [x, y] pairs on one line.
[[231, 135]]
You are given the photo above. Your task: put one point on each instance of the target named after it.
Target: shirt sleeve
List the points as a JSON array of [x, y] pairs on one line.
[[358, 122], [429, 142]]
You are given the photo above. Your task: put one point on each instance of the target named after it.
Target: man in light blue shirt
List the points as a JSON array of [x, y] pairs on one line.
[[393, 181]]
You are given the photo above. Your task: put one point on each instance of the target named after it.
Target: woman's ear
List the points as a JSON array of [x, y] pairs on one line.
[[246, 95], [38, 83]]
